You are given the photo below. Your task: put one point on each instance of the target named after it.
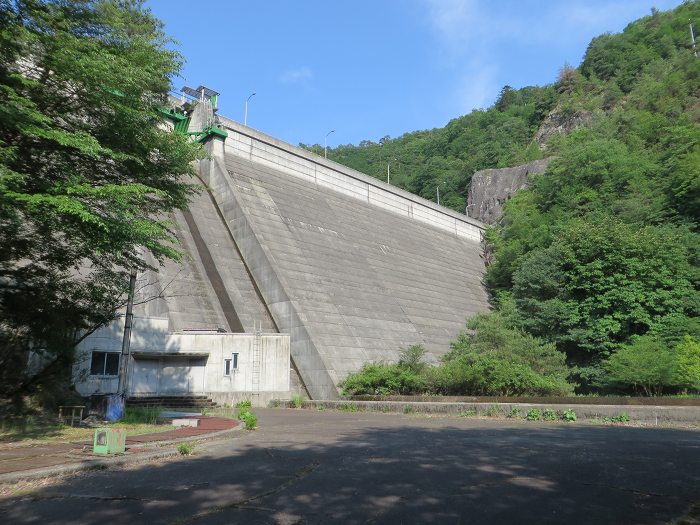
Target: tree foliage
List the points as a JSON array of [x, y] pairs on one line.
[[87, 171]]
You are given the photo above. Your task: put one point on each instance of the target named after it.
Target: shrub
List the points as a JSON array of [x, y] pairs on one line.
[[534, 414], [499, 359], [383, 379], [186, 449], [246, 403], [411, 359], [569, 415], [491, 375], [549, 415]]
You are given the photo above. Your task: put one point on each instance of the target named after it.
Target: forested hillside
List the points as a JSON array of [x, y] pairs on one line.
[[599, 256]]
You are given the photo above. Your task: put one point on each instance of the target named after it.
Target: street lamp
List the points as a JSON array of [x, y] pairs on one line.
[[325, 144], [387, 169], [245, 118]]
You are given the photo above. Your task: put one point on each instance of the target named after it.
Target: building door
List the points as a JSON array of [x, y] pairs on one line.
[[197, 367], [175, 376], [144, 378]]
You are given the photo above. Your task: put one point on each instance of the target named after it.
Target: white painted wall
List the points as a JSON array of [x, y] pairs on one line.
[[172, 363]]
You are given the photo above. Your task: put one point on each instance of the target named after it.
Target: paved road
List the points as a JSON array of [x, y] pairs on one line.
[[306, 467]]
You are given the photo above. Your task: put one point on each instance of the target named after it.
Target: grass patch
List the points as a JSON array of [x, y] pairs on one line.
[[141, 414], [297, 401], [34, 429]]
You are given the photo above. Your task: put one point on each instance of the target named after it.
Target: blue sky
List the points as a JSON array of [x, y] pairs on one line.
[[370, 68]]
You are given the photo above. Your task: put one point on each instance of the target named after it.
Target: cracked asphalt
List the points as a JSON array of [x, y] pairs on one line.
[[307, 466]]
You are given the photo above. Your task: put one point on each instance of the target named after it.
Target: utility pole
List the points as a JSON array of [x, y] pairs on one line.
[[126, 341], [692, 39]]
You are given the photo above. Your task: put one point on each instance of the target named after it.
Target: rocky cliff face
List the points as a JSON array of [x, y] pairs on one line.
[[561, 123], [490, 189]]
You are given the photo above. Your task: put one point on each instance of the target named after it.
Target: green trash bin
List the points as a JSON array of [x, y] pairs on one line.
[[109, 441]]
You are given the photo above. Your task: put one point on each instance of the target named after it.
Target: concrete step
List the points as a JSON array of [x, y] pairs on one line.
[[172, 401]]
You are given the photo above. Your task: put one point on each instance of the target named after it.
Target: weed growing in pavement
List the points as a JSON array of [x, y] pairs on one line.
[[470, 412], [249, 419], [514, 413], [569, 415], [409, 409], [623, 417], [186, 449], [246, 403], [549, 415], [349, 407], [494, 411], [534, 414]]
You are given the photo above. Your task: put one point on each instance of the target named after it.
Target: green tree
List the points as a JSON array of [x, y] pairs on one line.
[[602, 282], [646, 366], [87, 173]]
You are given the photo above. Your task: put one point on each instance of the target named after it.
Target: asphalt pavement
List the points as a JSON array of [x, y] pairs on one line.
[[317, 467]]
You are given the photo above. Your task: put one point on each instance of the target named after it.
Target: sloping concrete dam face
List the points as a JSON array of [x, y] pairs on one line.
[[353, 269]]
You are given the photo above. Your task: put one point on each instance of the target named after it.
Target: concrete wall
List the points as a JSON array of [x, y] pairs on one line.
[[153, 344], [264, 150], [351, 279]]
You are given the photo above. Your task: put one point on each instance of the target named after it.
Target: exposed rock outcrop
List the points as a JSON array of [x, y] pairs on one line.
[[490, 189], [560, 122]]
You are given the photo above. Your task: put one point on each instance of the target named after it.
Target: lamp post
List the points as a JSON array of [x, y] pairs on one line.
[[245, 118], [325, 144], [387, 169], [438, 191]]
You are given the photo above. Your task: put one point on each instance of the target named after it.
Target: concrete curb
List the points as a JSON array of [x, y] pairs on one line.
[[637, 413], [105, 463]]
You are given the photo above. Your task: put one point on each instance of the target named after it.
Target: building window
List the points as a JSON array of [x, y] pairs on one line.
[[231, 365], [104, 364]]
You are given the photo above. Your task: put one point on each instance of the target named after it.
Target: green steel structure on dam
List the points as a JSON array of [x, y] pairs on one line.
[[282, 240]]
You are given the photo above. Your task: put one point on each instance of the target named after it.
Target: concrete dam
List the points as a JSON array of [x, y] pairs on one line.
[[284, 241]]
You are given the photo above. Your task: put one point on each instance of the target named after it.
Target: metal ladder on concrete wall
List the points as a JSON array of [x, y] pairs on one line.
[[255, 375]]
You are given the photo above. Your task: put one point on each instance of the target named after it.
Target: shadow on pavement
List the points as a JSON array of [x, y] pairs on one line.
[[342, 468]]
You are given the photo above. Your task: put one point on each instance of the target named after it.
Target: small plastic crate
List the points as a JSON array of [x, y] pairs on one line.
[[109, 441]]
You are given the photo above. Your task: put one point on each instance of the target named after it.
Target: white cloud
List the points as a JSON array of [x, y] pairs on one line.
[[296, 76]]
